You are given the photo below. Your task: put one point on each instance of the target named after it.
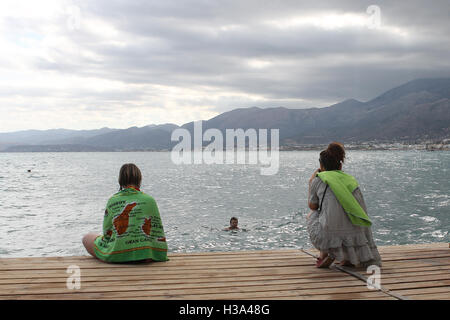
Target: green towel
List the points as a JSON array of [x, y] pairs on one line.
[[342, 185], [132, 229]]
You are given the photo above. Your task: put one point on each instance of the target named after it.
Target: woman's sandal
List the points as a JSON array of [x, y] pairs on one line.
[[325, 262]]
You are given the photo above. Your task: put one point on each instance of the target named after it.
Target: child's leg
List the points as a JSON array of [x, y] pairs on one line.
[[88, 242]]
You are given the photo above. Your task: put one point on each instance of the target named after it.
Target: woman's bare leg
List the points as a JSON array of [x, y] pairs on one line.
[[323, 255], [88, 242]]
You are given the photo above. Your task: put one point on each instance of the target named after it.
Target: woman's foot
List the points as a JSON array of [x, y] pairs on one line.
[[323, 255], [324, 262]]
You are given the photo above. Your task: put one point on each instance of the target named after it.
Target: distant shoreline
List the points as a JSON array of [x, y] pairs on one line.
[[350, 147]]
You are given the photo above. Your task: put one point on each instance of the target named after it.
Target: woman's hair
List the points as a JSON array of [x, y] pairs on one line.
[[333, 156], [130, 175]]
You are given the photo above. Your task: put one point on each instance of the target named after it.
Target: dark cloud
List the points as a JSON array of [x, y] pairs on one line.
[[193, 49], [241, 53]]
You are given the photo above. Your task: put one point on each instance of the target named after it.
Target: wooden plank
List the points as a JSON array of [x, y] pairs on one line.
[[217, 296], [125, 270], [190, 254], [389, 252], [385, 297], [415, 257], [171, 263], [293, 274], [145, 285], [171, 272], [96, 282], [394, 274], [408, 292], [114, 281], [415, 270], [157, 271], [221, 264], [11, 264], [263, 273], [432, 296], [414, 278], [62, 263], [416, 246], [168, 264], [418, 284], [231, 254], [186, 257], [225, 293]]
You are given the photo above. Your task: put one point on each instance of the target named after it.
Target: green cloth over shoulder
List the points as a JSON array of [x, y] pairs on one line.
[[132, 229], [343, 185]]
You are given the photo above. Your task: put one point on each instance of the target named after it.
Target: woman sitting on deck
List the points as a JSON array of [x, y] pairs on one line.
[[339, 226], [132, 227]]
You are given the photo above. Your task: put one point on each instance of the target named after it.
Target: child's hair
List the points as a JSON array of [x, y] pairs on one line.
[[333, 156], [233, 218], [130, 175]]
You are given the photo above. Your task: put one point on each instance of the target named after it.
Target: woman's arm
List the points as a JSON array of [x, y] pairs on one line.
[[311, 193], [313, 176]]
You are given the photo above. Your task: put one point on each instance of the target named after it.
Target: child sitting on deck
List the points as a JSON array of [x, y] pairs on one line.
[[132, 226]]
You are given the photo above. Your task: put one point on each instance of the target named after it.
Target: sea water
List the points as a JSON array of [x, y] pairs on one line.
[[45, 212]]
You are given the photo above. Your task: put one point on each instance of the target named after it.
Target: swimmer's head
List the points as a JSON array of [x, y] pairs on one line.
[[233, 223]]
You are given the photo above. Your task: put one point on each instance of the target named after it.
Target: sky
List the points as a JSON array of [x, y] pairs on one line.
[[112, 63]]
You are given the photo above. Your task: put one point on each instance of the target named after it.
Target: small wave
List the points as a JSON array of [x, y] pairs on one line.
[[439, 234], [429, 219]]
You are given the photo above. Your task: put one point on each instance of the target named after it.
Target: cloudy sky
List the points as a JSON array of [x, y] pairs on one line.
[[91, 64]]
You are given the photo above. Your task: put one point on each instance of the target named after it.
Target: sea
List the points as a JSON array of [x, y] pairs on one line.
[[48, 201]]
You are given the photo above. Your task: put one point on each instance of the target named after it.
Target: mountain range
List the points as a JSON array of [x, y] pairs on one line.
[[416, 110]]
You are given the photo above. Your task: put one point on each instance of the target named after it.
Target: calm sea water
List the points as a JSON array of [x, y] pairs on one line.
[[47, 211]]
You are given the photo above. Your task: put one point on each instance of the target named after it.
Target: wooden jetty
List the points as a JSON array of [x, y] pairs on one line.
[[408, 272]]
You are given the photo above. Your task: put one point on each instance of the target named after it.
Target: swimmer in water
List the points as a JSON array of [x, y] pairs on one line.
[[233, 224]]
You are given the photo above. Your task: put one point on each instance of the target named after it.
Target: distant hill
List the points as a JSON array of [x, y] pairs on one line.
[[56, 148], [153, 137], [48, 136], [419, 109]]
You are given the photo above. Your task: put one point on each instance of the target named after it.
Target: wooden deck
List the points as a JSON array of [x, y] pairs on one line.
[[409, 272]]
